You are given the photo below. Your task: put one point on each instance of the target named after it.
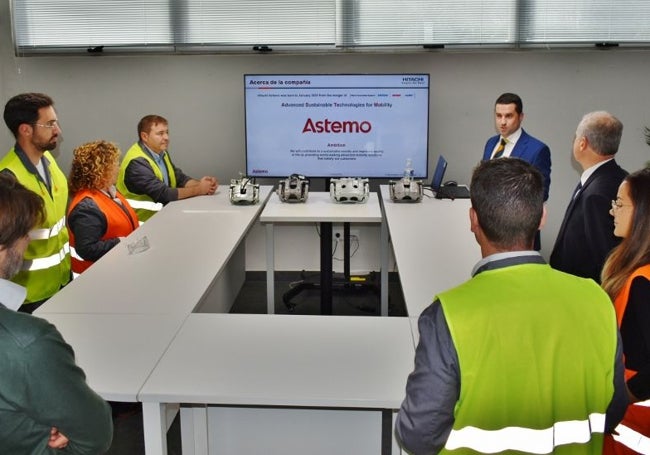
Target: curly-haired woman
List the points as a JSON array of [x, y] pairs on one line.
[[98, 216]]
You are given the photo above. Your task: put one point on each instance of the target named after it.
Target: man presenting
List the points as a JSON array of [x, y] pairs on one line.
[[148, 178], [514, 142], [521, 357], [33, 121]]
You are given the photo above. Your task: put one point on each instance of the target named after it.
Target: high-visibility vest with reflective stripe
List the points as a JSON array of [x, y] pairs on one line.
[[532, 377], [634, 431], [620, 302], [120, 222], [144, 206], [46, 265]]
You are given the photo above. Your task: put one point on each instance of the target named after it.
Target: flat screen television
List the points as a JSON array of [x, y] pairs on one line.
[[336, 125]]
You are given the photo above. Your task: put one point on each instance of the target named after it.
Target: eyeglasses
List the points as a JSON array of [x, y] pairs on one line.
[[617, 205], [51, 124]]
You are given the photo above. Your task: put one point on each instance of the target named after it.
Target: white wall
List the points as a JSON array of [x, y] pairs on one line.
[[103, 96]]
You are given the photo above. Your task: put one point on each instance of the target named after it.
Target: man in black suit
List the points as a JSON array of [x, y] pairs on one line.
[[586, 235]]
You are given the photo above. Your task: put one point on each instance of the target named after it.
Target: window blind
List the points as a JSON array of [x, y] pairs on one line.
[[585, 21], [137, 23], [422, 22], [82, 23], [245, 22], [51, 25]]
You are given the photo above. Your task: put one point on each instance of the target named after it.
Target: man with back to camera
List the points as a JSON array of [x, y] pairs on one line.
[[586, 235], [512, 141], [148, 178], [45, 402], [520, 357], [33, 122]]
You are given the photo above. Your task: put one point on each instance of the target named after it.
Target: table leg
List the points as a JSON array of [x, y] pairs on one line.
[[194, 429], [270, 269], [386, 431], [396, 449], [155, 428], [346, 251], [326, 268], [383, 276]]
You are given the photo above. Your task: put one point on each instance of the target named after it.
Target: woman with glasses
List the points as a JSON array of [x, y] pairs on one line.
[[98, 216], [626, 278]]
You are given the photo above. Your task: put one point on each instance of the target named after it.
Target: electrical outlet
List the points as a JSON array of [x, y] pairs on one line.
[[337, 235]]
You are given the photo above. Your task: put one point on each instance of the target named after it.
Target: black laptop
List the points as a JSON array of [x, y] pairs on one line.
[[446, 191]]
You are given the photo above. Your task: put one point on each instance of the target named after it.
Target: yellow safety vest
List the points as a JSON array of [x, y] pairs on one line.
[[46, 265], [532, 380], [144, 206]]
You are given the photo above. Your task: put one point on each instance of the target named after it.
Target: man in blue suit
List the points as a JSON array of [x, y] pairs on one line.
[[514, 142]]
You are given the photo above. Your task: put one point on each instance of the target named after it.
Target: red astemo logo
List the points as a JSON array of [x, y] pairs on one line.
[[329, 126]]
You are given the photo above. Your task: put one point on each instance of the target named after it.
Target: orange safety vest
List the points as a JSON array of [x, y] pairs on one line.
[[120, 221], [633, 433]]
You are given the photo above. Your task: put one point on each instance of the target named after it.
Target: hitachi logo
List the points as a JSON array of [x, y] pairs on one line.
[[329, 126]]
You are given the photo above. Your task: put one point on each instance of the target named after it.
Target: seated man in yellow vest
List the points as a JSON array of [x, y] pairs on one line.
[[33, 122], [521, 358], [148, 178]]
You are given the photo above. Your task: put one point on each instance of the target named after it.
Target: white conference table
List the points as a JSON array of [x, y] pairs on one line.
[[121, 314], [129, 320], [190, 242], [319, 208], [349, 362], [116, 351], [433, 246]]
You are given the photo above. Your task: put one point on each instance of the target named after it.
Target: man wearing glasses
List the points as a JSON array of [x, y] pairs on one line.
[[46, 263], [586, 235]]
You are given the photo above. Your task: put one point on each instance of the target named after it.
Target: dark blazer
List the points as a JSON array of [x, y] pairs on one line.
[[586, 235], [528, 149]]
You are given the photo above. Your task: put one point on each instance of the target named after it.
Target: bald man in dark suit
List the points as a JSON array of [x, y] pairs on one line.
[[586, 235]]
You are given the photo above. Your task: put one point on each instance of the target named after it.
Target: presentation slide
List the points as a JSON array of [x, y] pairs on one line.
[[336, 125]]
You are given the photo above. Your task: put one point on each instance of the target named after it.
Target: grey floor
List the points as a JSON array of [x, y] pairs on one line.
[[358, 299]]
